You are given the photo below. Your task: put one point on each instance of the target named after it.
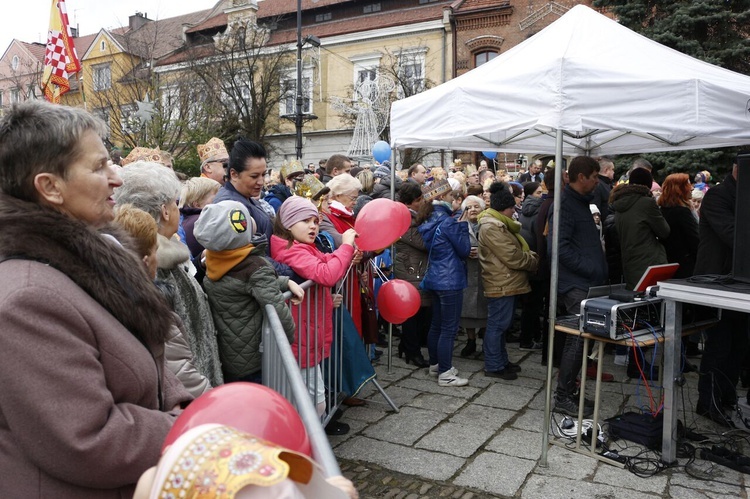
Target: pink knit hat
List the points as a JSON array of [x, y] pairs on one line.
[[296, 209]]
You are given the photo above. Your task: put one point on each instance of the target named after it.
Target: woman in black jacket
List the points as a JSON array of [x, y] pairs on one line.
[[682, 243]]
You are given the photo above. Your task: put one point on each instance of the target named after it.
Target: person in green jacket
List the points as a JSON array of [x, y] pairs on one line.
[[640, 226], [240, 282]]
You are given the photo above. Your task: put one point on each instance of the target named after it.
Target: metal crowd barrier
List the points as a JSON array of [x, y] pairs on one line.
[[281, 371]]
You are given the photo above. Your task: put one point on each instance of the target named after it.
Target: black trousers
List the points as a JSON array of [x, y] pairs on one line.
[[723, 354]]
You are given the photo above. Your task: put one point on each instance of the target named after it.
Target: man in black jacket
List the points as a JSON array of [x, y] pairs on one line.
[[727, 342], [581, 265], [604, 187]]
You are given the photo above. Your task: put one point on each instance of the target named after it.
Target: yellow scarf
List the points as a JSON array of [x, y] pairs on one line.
[[513, 226], [218, 263]]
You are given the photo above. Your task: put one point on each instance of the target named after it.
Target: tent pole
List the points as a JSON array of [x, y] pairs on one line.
[[553, 258]]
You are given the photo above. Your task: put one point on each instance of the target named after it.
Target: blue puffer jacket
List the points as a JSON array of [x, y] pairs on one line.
[[448, 244]]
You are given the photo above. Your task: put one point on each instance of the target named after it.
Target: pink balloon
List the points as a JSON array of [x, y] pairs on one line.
[[405, 217], [249, 407], [379, 224], [398, 300]]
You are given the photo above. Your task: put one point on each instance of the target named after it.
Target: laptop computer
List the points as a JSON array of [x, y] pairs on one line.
[[654, 274]]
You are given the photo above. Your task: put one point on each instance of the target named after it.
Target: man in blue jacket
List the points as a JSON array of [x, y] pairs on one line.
[[582, 264]]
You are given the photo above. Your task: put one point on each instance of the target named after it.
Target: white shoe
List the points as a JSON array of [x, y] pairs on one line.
[[621, 360], [448, 378], [434, 370]]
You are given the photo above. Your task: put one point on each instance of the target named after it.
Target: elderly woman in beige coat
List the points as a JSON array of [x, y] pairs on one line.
[[505, 259], [86, 401]]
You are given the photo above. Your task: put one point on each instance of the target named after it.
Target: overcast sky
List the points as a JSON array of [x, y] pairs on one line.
[[28, 20]]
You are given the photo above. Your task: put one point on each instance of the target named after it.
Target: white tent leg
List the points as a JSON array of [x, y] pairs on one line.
[[552, 256]]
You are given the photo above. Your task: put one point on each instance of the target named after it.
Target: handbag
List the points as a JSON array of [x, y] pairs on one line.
[[370, 327]]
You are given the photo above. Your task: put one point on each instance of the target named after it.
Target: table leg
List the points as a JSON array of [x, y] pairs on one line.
[[672, 357]]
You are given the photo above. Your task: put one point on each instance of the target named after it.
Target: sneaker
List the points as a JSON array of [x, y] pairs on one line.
[[621, 360], [434, 370], [448, 378], [505, 374], [566, 405], [532, 347]]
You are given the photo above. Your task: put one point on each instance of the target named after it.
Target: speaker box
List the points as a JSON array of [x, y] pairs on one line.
[[741, 263]]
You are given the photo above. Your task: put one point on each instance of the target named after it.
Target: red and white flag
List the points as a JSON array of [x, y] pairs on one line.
[[60, 58]]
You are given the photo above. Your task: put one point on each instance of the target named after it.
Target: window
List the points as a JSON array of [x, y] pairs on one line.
[[423, 2], [319, 18], [14, 63], [170, 102], [2, 103], [129, 123], [289, 89], [15, 95], [103, 114], [482, 57], [365, 69], [102, 77], [411, 73], [102, 46], [373, 7]]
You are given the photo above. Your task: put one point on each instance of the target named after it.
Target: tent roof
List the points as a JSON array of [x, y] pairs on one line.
[[610, 90]]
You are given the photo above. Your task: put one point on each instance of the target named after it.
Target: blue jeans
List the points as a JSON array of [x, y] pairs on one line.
[[499, 317], [446, 314]]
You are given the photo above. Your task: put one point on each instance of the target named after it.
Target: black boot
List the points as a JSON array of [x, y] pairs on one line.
[[469, 349]]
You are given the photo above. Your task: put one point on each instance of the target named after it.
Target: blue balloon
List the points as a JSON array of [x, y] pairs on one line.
[[490, 154], [381, 151]]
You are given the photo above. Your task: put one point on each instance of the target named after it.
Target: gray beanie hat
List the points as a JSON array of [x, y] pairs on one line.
[[226, 225], [382, 171]]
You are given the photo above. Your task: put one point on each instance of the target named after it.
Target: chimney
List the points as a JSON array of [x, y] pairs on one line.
[[137, 20]]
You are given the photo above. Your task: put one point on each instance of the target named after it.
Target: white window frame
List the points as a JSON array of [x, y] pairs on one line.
[[170, 102], [101, 77], [366, 65], [15, 95], [104, 114], [288, 102], [15, 62], [128, 118], [414, 59]]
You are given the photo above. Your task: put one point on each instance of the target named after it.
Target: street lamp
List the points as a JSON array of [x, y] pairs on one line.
[[299, 116]]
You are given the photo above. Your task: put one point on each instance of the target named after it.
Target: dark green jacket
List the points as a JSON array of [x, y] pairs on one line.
[[237, 301], [641, 227]]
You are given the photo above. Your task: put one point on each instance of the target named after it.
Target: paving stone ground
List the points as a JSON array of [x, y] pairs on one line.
[[485, 440]]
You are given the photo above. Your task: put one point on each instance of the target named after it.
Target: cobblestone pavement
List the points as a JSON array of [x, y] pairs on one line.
[[484, 440]]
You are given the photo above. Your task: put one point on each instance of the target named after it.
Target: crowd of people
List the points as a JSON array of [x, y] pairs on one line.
[[127, 292]]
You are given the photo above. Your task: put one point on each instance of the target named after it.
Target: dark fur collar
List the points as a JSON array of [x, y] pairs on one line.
[[110, 274]]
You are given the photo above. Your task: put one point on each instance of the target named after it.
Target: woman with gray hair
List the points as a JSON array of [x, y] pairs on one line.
[[474, 310], [86, 400], [154, 189]]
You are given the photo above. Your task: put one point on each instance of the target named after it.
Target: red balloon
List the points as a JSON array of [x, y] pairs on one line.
[[404, 217], [249, 407], [398, 300], [379, 224]]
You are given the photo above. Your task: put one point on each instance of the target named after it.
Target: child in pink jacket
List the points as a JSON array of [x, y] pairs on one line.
[[293, 243]]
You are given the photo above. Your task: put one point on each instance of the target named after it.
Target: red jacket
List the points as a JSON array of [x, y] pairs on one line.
[[312, 343]]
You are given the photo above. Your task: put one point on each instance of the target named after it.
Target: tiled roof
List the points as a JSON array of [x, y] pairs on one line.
[[216, 21], [271, 8], [35, 49], [156, 39], [363, 23], [472, 5]]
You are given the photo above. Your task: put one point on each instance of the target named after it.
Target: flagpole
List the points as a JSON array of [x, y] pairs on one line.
[[83, 89]]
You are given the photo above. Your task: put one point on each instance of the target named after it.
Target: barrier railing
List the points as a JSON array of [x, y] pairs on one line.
[[283, 372]]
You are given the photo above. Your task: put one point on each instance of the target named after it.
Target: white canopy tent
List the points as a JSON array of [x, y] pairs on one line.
[[584, 85], [610, 90]]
